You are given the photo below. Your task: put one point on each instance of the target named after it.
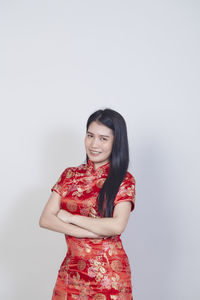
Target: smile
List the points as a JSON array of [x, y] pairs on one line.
[[95, 152]]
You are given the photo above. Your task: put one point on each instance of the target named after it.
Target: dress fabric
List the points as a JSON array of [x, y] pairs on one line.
[[93, 268]]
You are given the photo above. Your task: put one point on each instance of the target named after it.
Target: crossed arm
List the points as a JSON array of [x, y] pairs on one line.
[[56, 219]]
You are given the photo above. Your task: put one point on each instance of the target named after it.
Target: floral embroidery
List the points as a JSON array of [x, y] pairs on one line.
[[72, 206], [116, 265], [99, 297], [100, 182], [81, 265]]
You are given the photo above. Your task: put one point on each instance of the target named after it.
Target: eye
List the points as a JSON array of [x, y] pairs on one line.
[[89, 135], [104, 139]]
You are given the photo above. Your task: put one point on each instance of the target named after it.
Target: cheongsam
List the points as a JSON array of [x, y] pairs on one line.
[[93, 268]]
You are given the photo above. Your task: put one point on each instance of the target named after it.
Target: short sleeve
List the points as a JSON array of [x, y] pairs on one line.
[[126, 191], [59, 185]]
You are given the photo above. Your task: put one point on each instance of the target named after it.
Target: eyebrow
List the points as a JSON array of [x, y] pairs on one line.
[[100, 134]]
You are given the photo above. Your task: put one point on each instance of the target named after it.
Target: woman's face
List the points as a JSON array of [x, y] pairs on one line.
[[98, 143]]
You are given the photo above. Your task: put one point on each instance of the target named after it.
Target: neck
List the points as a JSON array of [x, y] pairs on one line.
[[97, 165]]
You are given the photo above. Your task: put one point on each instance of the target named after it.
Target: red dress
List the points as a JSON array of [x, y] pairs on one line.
[[96, 269]]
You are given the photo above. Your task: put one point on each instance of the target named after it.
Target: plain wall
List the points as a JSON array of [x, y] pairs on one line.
[[61, 61]]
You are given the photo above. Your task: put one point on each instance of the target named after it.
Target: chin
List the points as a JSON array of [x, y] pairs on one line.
[[95, 159]]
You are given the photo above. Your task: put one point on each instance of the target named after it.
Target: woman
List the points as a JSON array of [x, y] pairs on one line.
[[91, 205]]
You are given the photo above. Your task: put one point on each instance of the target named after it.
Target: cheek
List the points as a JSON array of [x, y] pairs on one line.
[[111, 145], [108, 147], [86, 142]]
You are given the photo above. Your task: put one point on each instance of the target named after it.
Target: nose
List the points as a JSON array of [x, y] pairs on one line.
[[94, 143]]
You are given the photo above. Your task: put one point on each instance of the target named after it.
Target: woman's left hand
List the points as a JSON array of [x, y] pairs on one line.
[[64, 216]]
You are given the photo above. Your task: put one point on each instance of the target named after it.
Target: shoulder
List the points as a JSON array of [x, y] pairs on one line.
[[129, 178], [126, 190], [128, 184], [70, 172]]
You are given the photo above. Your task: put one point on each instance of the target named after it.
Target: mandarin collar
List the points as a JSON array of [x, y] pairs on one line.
[[100, 170]]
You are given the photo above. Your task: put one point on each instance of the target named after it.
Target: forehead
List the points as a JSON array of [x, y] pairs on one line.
[[99, 128]]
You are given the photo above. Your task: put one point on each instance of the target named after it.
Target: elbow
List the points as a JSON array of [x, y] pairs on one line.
[[43, 222], [46, 221], [116, 229], [119, 229]]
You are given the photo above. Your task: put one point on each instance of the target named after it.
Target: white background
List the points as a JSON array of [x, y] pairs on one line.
[[62, 60]]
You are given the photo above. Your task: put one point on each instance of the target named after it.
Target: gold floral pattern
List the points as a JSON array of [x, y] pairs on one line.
[[99, 296], [81, 265], [100, 182], [70, 173], [116, 265], [72, 206]]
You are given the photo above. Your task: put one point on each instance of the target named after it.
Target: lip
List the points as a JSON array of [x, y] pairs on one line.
[[97, 152], [94, 150]]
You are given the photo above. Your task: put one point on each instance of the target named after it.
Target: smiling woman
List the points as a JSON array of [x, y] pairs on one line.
[[91, 205]]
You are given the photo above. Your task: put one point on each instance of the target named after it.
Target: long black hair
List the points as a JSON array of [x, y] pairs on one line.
[[119, 158]]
